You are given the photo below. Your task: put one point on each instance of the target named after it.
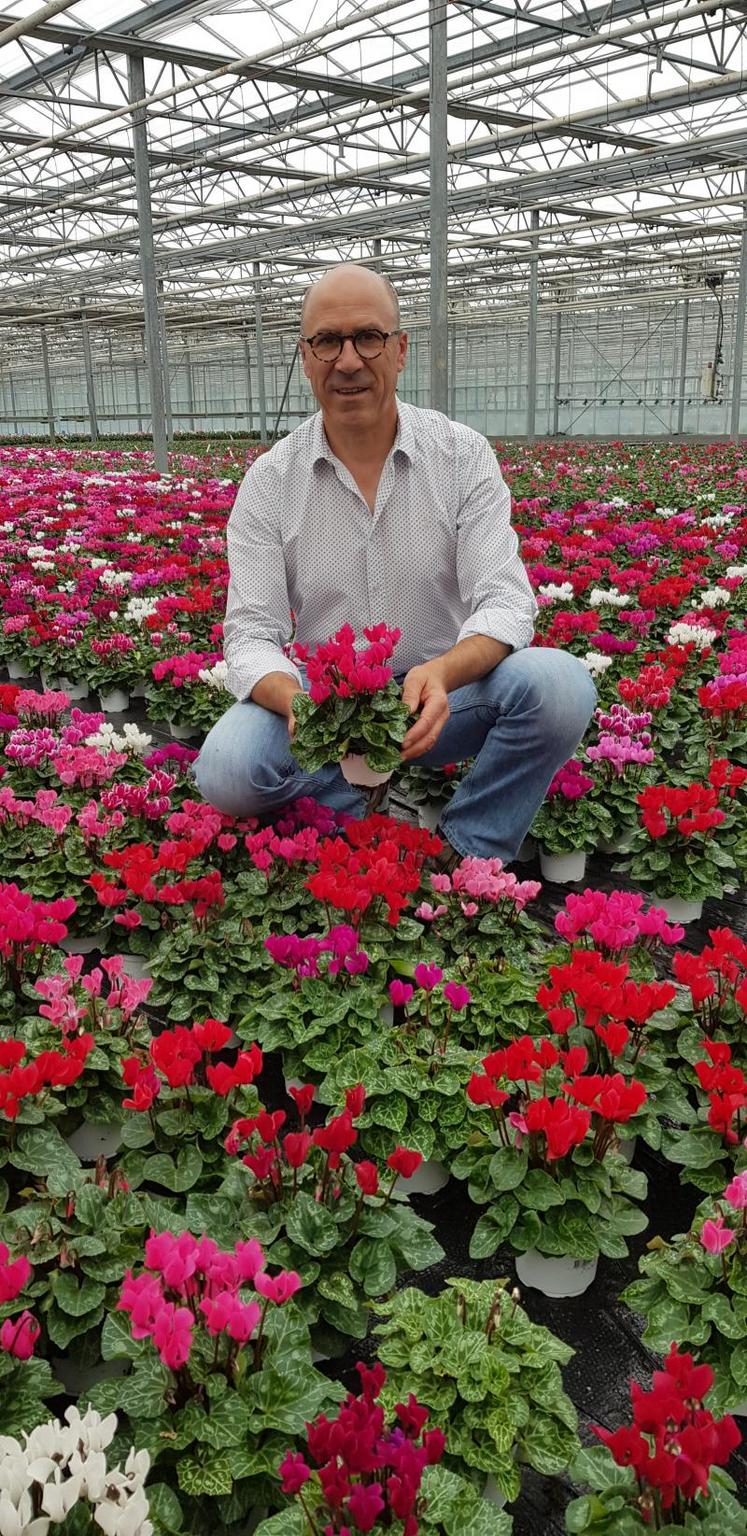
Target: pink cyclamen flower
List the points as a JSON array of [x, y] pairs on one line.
[[715, 1237], [278, 1288], [736, 1192], [18, 1336]]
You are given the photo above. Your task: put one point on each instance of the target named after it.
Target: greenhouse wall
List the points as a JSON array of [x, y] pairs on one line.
[[612, 372]]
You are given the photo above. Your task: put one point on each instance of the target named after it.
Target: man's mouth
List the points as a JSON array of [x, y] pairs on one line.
[[358, 389]]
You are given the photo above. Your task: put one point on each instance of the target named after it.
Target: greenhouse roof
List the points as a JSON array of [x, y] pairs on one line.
[[606, 142]]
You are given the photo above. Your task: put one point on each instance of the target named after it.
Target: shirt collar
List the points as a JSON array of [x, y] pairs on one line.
[[404, 440]]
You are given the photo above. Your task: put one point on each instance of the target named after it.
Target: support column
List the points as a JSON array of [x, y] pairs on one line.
[[683, 366], [47, 383], [191, 389], [13, 406], [259, 347], [556, 372], [376, 260], [738, 354], [437, 128], [248, 366], [452, 371], [138, 401], [136, 85], [164, 362], [532, 330], [88, 365]]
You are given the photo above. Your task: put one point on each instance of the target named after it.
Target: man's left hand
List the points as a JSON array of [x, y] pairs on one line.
[[424, 694]]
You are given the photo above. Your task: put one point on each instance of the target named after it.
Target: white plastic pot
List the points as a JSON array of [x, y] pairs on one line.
[[64, 684], [429, 815], [90, 1141], [17, 670], [387, 1014], [678, 910], [427, 1179], [356, 770], [136, 966], [182, 732], [83, 946], [562, 868], [114, 702], [740, 1412], [626, 1146], [137, 691], [555, 1277]]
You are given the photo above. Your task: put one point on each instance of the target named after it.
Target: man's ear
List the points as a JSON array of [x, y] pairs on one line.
[[402, 350], [304, 351]]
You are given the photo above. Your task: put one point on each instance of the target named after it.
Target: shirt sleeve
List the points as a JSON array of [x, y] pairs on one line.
[[490, 571], [258, 619]]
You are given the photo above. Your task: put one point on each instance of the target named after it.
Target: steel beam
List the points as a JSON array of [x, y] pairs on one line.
[[136, 83], [88, 365], [165, 363], [259, 351], [47, 383], [532, 330], [738, 351], [683, 365], [438, 204], [556, 373]]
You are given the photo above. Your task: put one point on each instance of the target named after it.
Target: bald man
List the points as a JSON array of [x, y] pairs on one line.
[[376, 510]]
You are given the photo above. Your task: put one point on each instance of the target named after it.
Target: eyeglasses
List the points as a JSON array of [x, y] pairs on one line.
[[328, 345]]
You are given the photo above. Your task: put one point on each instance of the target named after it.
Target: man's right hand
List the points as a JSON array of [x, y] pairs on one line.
[[276, 691]]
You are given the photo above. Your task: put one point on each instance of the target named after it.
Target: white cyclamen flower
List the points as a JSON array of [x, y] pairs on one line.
[[19, 1520], [216, 676], [596, 663], [598, 598], [557, 594], [686, 634], [715, 597]]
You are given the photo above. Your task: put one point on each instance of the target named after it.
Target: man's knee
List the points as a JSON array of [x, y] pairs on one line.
[[555, 689], [239, 766]]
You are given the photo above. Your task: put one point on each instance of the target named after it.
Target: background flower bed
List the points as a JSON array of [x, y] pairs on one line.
[[184, 625]]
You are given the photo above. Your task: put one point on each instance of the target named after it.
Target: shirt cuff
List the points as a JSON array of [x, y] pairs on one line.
[[247, 671], [502, 624]]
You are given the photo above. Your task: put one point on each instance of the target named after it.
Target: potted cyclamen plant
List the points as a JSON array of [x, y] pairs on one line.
[[353, 713], [490, 1377], [367, 1471], [221, 1373], [25, 1383], [546, 1161], [569, 824], [680, 850], [342, 1224], [622, 757], [664, 1470], [697, 1282], [415, 1076]]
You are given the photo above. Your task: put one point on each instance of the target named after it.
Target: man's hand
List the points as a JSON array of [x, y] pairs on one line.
[[276, 691], [425, 695]]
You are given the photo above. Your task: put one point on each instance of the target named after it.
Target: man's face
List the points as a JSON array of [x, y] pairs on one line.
[[353, 390]]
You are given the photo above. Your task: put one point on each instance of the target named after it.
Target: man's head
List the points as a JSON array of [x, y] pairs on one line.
[[350, 389]]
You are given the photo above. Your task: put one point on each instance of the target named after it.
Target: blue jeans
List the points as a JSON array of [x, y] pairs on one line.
[[520, 723]]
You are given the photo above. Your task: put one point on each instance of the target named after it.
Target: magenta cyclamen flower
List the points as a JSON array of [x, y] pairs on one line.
[[428, 976], [457, 996], [400, 993]]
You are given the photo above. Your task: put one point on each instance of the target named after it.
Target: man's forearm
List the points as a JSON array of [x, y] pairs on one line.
[[276, 691], [469, 659]]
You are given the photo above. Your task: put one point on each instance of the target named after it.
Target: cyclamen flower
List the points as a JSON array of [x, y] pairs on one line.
[[715, 1237]]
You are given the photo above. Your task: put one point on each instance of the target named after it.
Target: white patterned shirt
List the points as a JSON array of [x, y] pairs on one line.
[[437, 558]]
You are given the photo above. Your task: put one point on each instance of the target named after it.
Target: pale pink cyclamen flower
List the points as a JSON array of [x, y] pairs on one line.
[[736, 1192]]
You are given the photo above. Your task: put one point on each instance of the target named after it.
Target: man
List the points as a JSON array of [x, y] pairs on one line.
[[376, 510]]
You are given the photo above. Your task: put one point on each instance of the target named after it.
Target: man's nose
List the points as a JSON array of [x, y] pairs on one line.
[[348, 361]]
